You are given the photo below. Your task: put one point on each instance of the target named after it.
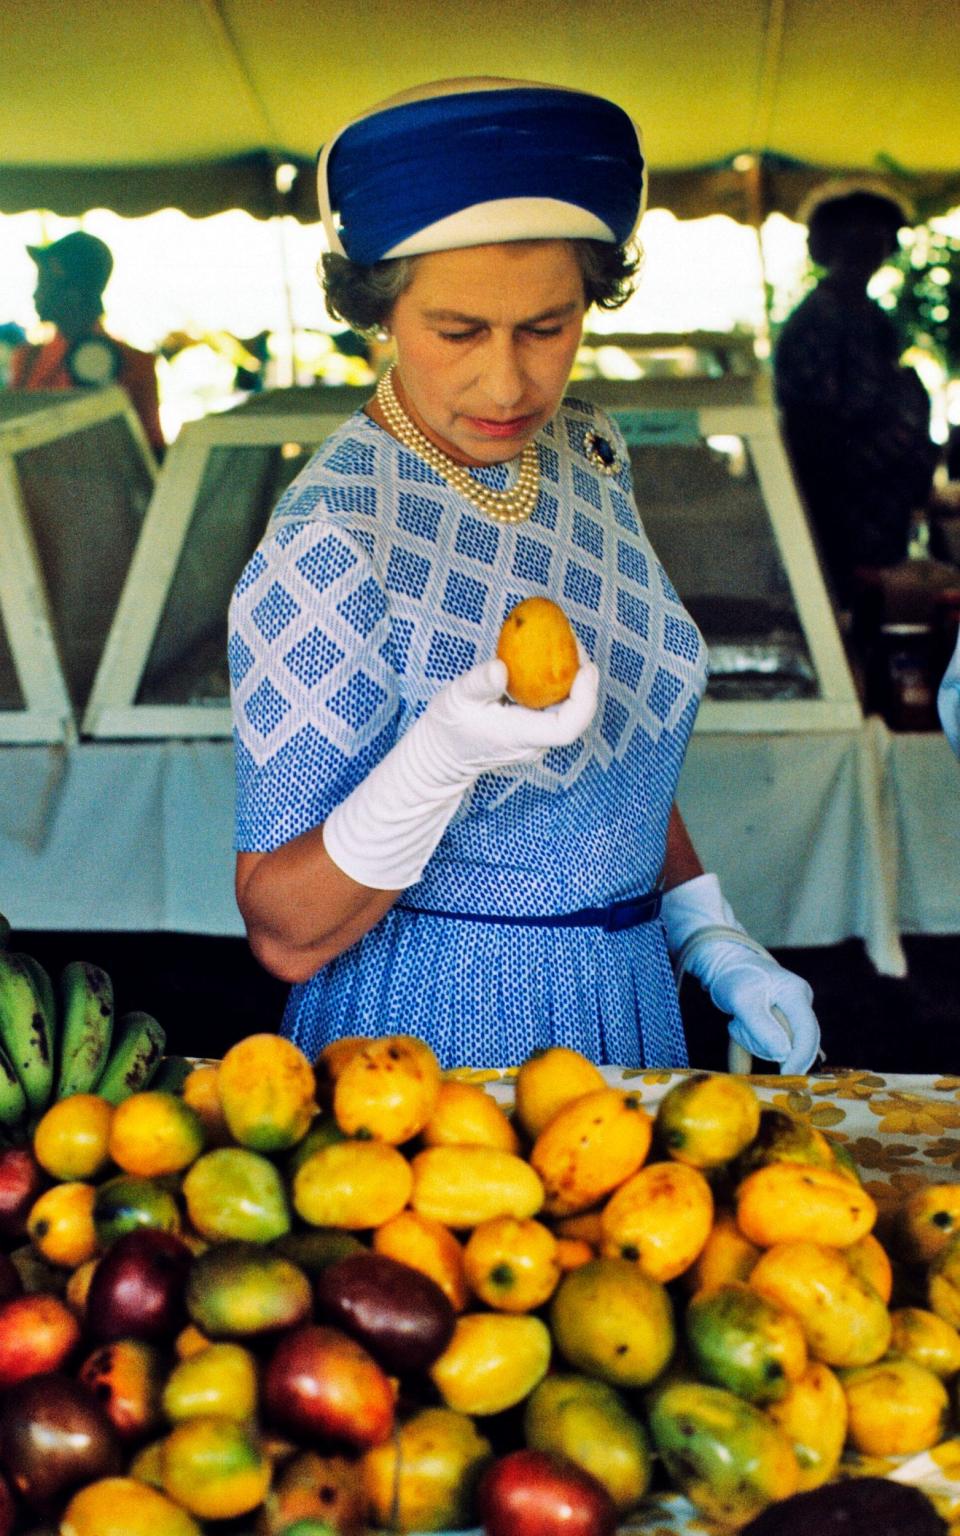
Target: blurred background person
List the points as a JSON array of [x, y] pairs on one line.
[[856, 421], [72, 274]]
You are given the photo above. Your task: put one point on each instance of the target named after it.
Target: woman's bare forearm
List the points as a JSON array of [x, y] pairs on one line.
[[300, 909], [681, 862]]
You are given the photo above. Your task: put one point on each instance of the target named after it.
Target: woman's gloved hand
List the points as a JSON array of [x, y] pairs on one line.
[[385, 831], [742, 979], [948, 700]]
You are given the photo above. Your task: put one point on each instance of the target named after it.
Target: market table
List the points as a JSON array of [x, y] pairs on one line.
[[903, 1131], [817, 837]]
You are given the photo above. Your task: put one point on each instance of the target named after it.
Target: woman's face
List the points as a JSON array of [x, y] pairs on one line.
[[486, 338]]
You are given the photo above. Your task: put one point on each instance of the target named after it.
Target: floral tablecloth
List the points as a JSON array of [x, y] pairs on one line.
[[902, 1131]]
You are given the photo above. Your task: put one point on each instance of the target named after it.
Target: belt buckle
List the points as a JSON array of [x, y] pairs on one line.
[[620, 916]]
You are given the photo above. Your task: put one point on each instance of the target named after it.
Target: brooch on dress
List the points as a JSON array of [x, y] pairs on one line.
[[599, 450]]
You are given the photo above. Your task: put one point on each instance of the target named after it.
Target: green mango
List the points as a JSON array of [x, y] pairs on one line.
[[588, 1422], [236, 1290], [724, 1454], [126, 1202], [740, 1340], [232, 1192]]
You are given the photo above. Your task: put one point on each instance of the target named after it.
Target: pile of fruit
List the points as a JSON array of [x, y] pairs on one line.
[[299, 1299]]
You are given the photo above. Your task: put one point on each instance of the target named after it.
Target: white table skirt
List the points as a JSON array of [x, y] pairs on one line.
[[816, 838]]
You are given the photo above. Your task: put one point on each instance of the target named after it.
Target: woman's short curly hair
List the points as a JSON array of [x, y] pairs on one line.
[[364, 297]]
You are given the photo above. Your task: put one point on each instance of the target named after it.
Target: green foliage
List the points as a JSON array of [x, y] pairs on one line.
[[926, 304]]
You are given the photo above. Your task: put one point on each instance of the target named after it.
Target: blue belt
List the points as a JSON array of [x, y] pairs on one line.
[[613, 919]]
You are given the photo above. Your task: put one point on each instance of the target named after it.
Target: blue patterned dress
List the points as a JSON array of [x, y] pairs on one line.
[[374, 585]]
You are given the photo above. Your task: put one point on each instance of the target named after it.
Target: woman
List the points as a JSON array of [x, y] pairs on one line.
[[415, 852]]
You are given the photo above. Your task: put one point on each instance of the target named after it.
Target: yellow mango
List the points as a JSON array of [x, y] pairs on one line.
[[927, 1221], [60, 1224], [927, 1339], [611, 1320], [589, 1147], [660, 1217], [267, 1092], [539, 649], [462, 1186], [512, 1265], [423, 1477], [943, 1283], [466, 1115], [493, 1361], [895, 1408], [708, 1118], [429, 1246], [793, 1202], [726, 1256], [845, 1321], [387, 1089], [352, 1184], [813, 1416], [547, 1080], [869, 1259]]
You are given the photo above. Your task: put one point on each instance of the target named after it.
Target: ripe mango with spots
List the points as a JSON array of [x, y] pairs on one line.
[[660, 1218], [846, 1323], [589, 1147], [895, 1408], [791, 1202], [813, 1416], [707, 1119], [612, 1321], [387, 1089]]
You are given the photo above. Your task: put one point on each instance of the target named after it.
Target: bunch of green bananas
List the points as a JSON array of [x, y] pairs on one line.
[[50, 1050]]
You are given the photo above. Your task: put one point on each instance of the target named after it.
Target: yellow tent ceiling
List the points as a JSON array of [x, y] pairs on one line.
[[137, 104]]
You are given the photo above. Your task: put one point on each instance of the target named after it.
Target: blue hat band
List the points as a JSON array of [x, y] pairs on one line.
[[400, 171]]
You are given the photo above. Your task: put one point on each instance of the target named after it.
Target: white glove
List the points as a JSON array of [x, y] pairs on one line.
[[948, 700], [741, 977], [384, 832]]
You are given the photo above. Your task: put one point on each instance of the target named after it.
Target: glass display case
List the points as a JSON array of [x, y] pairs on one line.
[[76, 476], [720, 505], [713, 486]]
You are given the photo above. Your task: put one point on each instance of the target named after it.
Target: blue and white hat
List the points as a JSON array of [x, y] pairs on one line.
[[479, 161]]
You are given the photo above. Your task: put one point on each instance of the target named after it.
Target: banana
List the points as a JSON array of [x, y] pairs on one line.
[[134, 1059], [171, 1074], [13, 1100], [86, 1028], [28, 1025]]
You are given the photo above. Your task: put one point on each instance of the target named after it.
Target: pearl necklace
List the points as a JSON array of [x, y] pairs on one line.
[[512, 506]]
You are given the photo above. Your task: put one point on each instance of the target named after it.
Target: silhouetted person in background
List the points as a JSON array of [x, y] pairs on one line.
[[857, 423], [71, 276]]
